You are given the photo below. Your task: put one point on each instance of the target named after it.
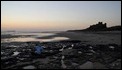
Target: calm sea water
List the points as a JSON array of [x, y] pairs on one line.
[[32, 38]]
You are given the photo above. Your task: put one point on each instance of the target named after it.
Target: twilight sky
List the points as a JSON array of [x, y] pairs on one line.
[[58, 15]]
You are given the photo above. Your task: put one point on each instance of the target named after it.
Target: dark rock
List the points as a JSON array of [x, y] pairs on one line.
[[29, 67]]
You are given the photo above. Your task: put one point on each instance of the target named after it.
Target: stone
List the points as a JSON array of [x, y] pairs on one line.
[[29, 67], [86, 65]]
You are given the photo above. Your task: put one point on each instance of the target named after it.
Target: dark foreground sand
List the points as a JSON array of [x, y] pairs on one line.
[[106, 37]]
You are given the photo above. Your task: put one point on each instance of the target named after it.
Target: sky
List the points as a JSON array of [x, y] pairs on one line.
[[58, 15]]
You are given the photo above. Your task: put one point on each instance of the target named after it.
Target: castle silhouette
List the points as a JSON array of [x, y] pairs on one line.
[[99, 26]]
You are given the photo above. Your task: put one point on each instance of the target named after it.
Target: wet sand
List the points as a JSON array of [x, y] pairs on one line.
[[91, 37]]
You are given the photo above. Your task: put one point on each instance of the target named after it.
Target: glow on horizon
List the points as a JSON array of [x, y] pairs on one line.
[[58, 15]]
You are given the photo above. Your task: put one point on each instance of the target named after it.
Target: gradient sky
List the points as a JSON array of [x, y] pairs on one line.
[[58, 15]]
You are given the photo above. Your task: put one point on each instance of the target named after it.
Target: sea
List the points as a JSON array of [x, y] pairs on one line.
[[33, 37]]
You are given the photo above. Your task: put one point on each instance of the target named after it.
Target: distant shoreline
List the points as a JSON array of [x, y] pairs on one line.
[[102, 37]]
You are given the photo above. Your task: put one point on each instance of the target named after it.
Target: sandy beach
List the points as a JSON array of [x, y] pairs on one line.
[[104, 37]]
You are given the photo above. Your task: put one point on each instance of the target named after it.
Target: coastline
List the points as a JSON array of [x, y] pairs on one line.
[[94, 38], [66, 54]]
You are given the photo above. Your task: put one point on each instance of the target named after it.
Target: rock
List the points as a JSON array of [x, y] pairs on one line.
[[86, 65], [29, 67], [75, 64], [70, 53], [42, 67], [15, 53], [66, 55], [97, 65], [103, 48]]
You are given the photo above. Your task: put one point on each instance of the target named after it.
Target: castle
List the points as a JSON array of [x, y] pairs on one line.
[[100, 27], [96, 27]]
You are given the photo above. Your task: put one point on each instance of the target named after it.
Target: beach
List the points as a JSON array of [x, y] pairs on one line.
[[72, 50], [60, 35], [103, 37]]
